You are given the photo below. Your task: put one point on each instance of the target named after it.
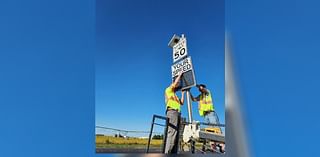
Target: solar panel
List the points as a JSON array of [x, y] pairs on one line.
[[187, 80]]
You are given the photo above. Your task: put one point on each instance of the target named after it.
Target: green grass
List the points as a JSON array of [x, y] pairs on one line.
[[117, 146], [125, 141]]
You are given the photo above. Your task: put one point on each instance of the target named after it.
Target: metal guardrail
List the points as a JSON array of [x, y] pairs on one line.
[[165, 133], [204, 134], [208, 124]]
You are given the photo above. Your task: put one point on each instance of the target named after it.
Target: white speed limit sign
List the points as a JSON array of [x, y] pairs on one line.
[[180, 50]]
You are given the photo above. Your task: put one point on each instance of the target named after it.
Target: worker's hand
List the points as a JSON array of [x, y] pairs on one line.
[[183, 91], [188, 89], [180, 73]]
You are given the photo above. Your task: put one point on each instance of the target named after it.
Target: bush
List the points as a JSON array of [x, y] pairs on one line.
[[157, 137]]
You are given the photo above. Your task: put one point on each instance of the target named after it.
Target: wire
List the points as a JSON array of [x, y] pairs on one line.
[[121, 130]]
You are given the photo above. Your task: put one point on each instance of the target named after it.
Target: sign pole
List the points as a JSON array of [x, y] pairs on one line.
[[182, 62], [189, 106]]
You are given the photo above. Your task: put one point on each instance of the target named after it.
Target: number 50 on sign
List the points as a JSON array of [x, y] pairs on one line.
[[180, 50]]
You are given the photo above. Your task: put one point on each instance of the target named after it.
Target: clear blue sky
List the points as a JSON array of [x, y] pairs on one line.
[[276, 49], [133, 61], [47, 70]]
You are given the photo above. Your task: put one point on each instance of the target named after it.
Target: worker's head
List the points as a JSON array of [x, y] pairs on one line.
[[201, 87]]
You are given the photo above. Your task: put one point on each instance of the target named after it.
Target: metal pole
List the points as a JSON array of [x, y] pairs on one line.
[[150, 135], [189, 107]]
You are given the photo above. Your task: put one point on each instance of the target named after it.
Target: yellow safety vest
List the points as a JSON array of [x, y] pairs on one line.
[[205, 103], [172, 99]]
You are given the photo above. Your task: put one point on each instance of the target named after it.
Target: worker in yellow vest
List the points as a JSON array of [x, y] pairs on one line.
[[173, 104], [206, 109]]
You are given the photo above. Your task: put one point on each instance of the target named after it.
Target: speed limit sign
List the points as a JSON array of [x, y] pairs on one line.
[[180, 50]]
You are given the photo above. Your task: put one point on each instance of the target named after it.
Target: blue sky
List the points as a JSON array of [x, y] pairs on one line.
[[47, 70], [47, 65], [133, 61], [276, 49]]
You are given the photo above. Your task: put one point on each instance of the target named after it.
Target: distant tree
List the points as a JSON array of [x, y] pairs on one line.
[[157, 137]]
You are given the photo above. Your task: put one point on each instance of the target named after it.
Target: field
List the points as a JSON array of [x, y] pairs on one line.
[[110, 144], [115, 144]]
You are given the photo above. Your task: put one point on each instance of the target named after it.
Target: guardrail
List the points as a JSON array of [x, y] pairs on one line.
[[165, 132]]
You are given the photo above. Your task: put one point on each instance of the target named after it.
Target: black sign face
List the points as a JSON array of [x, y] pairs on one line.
[[187, 80]]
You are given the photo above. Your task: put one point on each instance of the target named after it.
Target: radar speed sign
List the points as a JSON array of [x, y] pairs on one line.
[[180, 50]]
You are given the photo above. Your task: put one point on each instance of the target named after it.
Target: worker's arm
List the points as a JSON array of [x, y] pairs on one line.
[[206, 91], [176, 81], [195, 98], [192, 98], [182, 97]]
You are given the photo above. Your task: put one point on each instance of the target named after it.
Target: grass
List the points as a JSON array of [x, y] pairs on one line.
[[121, 143], [115, 142], [120, 146]]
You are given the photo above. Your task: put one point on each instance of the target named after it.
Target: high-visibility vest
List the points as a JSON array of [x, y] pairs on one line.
[[205, 103], [172, 99]]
